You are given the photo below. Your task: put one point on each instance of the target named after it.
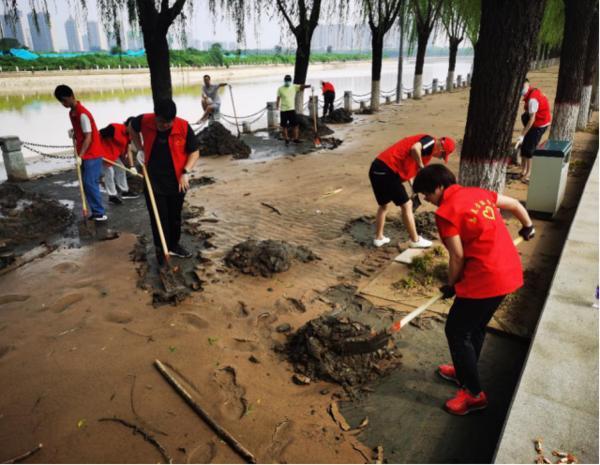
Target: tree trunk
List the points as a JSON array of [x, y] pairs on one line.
[[301, 66], [537, 64], [422, 40], [588, 75], [376, 62], [400, 59], [454, 41], [578, 17], [594, 99], [159, 62], [502, 57]]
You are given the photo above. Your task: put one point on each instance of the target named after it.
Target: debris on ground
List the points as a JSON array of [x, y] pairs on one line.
[[315, 352], [168, 284], [330, 143], [338, 116], [215, 139], [266, 258], [560, 456], [366, 111], [201, 181], [425, 271], [334, 411], [27, 218], [362, 229], [307, 127]]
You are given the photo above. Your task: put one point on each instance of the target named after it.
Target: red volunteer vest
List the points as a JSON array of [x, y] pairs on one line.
[[543, 116], [492, 263], [117, 145], [95, 150], [398, 159], [177, 140], [328, 87]]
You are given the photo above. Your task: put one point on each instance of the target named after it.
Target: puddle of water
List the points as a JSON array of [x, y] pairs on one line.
[[70, 204]]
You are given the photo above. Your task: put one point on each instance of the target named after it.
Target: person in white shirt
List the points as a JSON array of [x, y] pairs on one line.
[[211, 100]]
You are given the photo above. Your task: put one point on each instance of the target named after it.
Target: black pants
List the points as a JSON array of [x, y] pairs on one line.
[[169, 210], [465, 331], [329, 98]]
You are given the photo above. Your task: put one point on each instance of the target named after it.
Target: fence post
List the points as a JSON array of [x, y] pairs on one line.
[[388, 99], [363, 106], [409, 95], [427, 91], [468, 79], [459, 81], [246, 127], [14, 163], [348, 101], [313, 104], [271, 115], [434, 86]]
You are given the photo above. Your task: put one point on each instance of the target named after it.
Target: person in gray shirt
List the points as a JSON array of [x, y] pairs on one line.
[[211, 101]]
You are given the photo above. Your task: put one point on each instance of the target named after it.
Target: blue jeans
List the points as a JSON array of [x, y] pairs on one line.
[[91, 171]]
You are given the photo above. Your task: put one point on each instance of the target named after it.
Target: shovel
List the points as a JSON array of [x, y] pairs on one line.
[[381, 339], [163, 241], [317, 140]]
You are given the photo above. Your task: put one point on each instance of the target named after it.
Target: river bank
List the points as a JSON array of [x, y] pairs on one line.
[[88, 337]]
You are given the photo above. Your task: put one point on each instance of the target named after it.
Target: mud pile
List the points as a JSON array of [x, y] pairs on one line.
[[201, 181], [215, 139], [307, 130], [168, 285], [28, 217], [338, 116], [316, 352], [265, 258], [362, 229]]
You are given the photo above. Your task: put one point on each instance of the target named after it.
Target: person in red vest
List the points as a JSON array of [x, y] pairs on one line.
[[484, 267], [395, 165], [328, 97], [115, 138], [168, 147], [536, 119], [89, 149]]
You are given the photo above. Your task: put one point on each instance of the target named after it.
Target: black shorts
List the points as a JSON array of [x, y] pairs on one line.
[[288, 119], [531, 141], [387, 185]]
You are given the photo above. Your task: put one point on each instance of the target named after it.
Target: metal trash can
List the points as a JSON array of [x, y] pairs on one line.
[[549, 171]]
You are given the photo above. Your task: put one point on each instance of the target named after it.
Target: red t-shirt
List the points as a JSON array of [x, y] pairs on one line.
[[328, 87], [398, 158], [492, 263]]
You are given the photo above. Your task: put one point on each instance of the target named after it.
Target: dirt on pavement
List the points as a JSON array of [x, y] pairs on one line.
[[215, 139], [338, 116]]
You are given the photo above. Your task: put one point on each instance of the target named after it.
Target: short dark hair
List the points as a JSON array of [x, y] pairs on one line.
[[63, 91], [128, 120], [287, 77], [206, 76], [431, 177], [166, 109]]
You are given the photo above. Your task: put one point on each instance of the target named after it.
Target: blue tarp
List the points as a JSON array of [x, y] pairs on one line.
[[135, 53], [23, 54]]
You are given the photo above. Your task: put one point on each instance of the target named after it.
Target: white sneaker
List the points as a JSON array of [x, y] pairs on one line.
[[422, 243], [381, 242]]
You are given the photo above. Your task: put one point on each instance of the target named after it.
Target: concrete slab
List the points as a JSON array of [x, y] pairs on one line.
[[557, 396]]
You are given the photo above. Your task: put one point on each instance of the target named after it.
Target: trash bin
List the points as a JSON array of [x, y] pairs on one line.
[[549, 171]]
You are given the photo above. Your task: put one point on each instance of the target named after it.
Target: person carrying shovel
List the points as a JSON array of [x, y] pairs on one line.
[[286, 99], [395, 165], [484, 267], [168, 150], [89, 149], [115, 139]]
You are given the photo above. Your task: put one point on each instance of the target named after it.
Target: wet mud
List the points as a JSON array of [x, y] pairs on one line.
[[338, 116], [307, 127], [215, 139], [266, 258], [362, 229]]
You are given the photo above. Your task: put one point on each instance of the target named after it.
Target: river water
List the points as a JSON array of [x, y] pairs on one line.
[[39, 118]]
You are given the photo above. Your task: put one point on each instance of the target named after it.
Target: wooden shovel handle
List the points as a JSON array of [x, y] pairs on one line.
[[163, 242]]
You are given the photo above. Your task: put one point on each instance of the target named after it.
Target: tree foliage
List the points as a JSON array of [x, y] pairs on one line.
[[552, 29]]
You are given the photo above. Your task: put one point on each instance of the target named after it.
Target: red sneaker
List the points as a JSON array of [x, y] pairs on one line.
[[465, 402], [448, 373]]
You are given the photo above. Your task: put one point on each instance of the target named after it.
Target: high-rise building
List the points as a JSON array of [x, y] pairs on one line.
[[73, 36], [135, 40], [15, 28], [42, 36], [112, 37], [341, 37], [93, 36]]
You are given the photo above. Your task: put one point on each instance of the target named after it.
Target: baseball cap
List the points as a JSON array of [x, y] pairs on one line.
[[448, 145]]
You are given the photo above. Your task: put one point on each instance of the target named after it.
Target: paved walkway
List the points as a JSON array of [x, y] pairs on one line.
[[557, 396]]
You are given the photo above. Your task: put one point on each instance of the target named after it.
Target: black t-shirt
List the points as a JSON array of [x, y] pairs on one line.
[[427, 144], [160, 167]]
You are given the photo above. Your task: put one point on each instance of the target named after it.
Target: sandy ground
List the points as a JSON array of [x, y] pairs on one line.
[[78, 338]]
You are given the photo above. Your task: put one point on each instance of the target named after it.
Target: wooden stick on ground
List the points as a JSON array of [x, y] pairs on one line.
[[18, 458], [223, 434], [147, 436]]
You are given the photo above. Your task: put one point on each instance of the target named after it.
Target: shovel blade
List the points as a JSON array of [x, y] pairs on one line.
[[365, 345]]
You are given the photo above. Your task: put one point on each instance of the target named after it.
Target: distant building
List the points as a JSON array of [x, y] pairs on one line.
[[11, 29], [135, 40], [42, 35], [85, 43], [112, 37], [93, 36], [73, 36]]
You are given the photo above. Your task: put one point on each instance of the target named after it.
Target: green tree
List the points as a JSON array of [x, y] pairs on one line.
[[552, 29], [154, 18], [454, 16], [503, 51], [215, 54], [7, 43], [403, 19], [426, 14], [381, 16]]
